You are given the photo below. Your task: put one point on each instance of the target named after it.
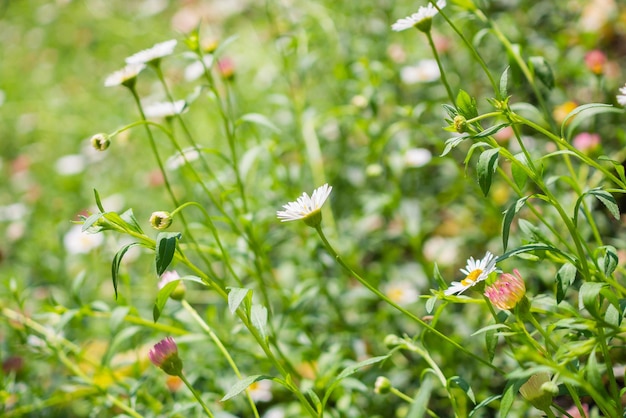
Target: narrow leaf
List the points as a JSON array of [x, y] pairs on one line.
[[588, 296], [98, 201], [117, 260], [162, 297], [165, 249], [564, 279], [355, 367], [509, 215], [258, 119], [589, 109], [460, 382], [510, 393], [131, 221], [466, 105], [258, 314], [491, 130], [235, 297], [607, 200], [420, 402], [504, 80], [242, 385], [487, 164], [519, 175]]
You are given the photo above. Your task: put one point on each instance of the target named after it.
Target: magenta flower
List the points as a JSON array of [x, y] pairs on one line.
[[165, 356], [507, 291]]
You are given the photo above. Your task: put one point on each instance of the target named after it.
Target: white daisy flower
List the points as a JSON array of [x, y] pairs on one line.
[[164, 109], [261, 391], [621, 98], [425, 71], [475, 272], [422, 19], [155, 53], [306, 208], [78, 242], [402, 292], [124, 76]]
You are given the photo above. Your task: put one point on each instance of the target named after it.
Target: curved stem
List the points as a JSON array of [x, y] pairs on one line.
[[444, 79], [197, 396], [382, 296], [220, 346]]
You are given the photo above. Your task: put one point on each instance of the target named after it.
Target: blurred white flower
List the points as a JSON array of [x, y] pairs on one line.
[[164, 109], [124, 76], [305, 207], [180, 159], [402, 292], [195, 70], [426, 70], [155, 53], [70, 164], [423, 14], [475, 272], [441, 250], [261, 391], [621, 98], [78, 242], [417, 157], [13, 212]]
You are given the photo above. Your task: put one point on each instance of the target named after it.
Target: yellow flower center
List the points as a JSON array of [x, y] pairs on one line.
[[471, 278]]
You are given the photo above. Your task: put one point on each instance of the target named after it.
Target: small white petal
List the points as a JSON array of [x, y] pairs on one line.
[[158, 51], [305, 205]]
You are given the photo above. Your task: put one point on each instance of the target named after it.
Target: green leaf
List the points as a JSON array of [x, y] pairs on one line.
[[491, 130], [165, 249], [519, 174], [607, 200], [612, 316], [118, 340], [504, 80], [487, 164], [510, 393], [588, 297], [258, 119], [483, 404], [609, 261], [430, 304], [90, 221], [117, 260], [451, 143], [542, 70], [355, 367], [439, 278], [98, 201], [450, 110], [564, 279], [236, 296], [162, 297], [316, 399], [420, 402], [509, 215], [466, 105], [258, 314], [619, 167], [529, 248], [349, 371], [593, 374], [589, 110], [242, 385], [131, 221], [460, 382]]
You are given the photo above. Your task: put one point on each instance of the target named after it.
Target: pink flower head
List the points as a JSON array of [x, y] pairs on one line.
[[226, 68], [165, 356], [507, 291], [586, 142], [595, 61]]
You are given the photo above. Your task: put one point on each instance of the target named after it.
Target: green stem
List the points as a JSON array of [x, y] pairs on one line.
[[401, 395], [220, 346], [444, 79], [196, 395], [382, 296]]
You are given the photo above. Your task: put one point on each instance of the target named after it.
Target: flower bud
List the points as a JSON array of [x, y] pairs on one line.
[[392, 341], [161, 220], [169, 276], [164, 355], [100, 141], [382, 385], [533, 391], [507, 291], [460, 124]]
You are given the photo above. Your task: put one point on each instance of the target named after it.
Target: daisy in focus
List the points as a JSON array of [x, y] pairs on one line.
[[475, 272], [421, 20], [154, 54], [306, 208]]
